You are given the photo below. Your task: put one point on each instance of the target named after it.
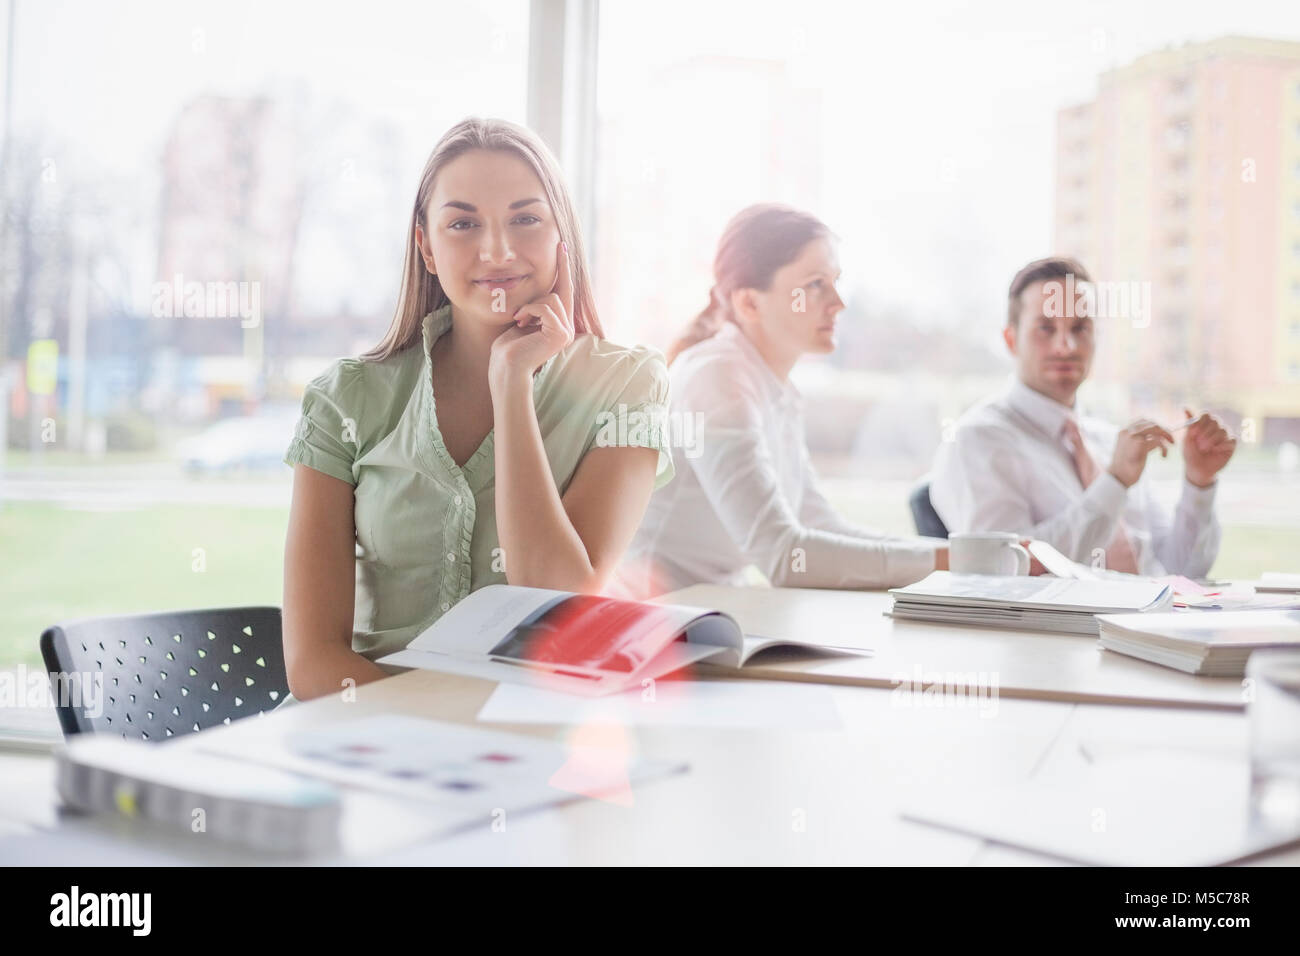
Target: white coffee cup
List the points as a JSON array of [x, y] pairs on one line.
[[987, 552]]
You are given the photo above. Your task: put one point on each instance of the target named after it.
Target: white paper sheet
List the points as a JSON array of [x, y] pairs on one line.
[[1139, 809], [682, 703]]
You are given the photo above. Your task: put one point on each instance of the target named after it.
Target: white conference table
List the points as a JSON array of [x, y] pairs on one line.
[[1032, 665], [750, 796]]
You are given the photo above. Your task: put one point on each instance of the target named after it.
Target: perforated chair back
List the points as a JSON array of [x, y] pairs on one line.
[[166, 674], [927, 520]]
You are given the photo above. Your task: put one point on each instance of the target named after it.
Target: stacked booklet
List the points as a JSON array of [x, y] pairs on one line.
[[257, 807], [581, 643], [372, 784], [1208, 643], [1030, 603], [29, 727]]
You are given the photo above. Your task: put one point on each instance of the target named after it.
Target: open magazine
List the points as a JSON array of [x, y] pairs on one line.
[[581, 643]]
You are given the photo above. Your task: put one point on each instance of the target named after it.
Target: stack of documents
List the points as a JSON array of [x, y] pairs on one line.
[[1213, 644], [1029, 603], [258, 807], [29, 727], [1277, 583]]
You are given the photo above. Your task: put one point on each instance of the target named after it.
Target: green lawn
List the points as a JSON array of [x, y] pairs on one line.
[[1249, 550], [59, 564]]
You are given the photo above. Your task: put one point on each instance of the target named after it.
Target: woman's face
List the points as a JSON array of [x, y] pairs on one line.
[[492, 236], [796, 313]]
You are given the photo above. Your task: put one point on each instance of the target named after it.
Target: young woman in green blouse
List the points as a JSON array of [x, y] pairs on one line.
[[467, 448]]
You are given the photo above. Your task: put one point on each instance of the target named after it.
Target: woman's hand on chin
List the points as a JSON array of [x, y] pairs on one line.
[[541, 329]]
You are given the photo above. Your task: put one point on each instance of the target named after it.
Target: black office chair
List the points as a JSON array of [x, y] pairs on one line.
[[927, 520], [167, 674]]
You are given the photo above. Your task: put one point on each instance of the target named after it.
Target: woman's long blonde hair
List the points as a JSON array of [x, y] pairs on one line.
[[421, 292]]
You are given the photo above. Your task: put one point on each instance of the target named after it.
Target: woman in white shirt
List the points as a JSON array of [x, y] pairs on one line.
[[745, 492]]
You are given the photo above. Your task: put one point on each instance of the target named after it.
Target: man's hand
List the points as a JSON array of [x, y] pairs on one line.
[[1206, 448], [1132, 447]]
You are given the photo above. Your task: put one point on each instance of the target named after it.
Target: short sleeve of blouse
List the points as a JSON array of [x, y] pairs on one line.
[[326, 437], [639, 416]]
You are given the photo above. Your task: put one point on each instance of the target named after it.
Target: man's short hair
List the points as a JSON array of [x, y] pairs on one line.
[[1041, 270]]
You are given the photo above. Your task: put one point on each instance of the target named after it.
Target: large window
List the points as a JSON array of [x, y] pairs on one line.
[[947, 144], [268, 152]]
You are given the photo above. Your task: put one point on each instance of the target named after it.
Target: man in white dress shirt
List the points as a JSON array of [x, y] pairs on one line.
[[1028, 460]]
